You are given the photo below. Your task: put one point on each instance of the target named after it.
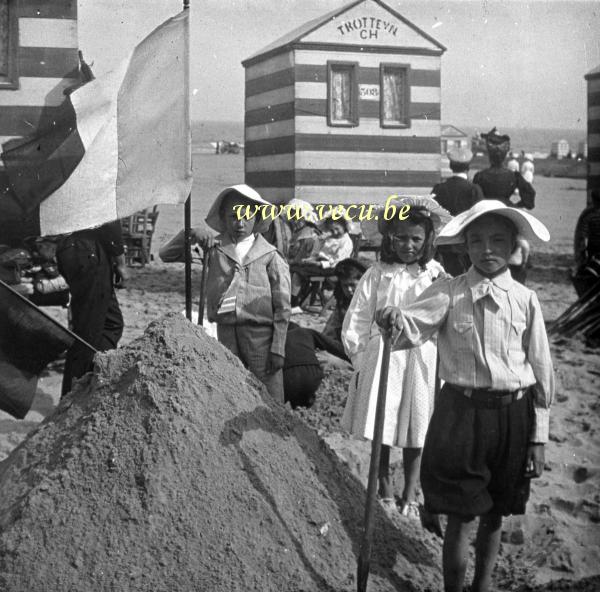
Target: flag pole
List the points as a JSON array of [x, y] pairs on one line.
[[47, 316], [188, 201]]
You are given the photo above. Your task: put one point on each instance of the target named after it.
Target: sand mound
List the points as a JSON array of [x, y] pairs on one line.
[[171, 470]]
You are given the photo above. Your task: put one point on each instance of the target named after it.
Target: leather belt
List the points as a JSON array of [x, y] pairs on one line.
[[488, 398]]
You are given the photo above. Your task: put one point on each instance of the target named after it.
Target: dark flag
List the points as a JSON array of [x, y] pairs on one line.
[[29, 341]]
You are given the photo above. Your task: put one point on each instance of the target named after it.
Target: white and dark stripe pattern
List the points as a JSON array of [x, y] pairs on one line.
[[593, 81], [47, 63], [290, 151], [126, 135]]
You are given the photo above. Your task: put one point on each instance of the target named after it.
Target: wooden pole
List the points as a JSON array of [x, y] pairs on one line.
[[202, 300], [188, 201], [364, 557]]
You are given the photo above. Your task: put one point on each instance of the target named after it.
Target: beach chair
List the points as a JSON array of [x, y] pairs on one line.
[[137, 235]]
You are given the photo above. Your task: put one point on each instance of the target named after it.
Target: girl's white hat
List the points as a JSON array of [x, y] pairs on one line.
[[305, 209], [527, 226], [439, 215], [215, 220]]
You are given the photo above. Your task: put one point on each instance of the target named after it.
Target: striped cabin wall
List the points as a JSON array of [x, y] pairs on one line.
[[593, 82], [290, 150], [46, 62]]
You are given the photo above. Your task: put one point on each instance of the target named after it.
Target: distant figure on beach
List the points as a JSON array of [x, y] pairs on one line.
[[513, 163], [528, 168], [497, 182], [457, 194]]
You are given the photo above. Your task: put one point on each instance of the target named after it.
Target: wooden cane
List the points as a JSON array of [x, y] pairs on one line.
[[364, 557], [202, 300]]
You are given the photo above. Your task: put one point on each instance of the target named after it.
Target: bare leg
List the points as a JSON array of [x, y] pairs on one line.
[[455, 552], [385, 486], [411, 460], [486, 550]]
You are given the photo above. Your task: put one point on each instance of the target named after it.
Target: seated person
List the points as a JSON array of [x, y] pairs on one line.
[[335, 246], [348, 273], [302, 371], [306, 236]]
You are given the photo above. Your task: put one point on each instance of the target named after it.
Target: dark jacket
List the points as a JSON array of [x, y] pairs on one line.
[[500, 183], [457, 194], [301, 344]]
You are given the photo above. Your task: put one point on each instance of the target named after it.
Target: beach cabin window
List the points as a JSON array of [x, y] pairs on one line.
[[394, 95], [342, 94], [8, 45]]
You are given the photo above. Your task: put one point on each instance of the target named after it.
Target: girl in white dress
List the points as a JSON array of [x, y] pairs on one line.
[[406, 267]]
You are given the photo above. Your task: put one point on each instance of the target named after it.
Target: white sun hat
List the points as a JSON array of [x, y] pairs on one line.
[[215, 220], [528, 227], [425, 203], [305, 210]]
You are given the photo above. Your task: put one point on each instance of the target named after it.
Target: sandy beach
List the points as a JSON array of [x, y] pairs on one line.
[[559, 537]]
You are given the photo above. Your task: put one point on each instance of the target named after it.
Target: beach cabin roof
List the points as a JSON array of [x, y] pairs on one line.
[[336, 27], [450, 131], [595, 73]]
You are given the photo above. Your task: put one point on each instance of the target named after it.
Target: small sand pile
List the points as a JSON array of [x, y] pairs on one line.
[[171, 470]]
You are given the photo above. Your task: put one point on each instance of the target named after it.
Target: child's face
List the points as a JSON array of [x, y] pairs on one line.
[[408, 241], [348, 286], [336, 229], [238, 228], [490, 241]]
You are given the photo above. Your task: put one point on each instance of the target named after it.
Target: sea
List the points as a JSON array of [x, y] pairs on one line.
[[536, 140]]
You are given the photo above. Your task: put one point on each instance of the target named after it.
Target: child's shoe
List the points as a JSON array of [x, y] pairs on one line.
[[410, 510]]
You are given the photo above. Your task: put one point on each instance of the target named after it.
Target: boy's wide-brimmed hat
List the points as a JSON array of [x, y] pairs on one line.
[[426, 204], [527, 226], [214, 219]]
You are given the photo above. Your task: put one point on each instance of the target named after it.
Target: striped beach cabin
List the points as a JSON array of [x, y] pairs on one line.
[[593, 138], [345, 109], [38, 60]]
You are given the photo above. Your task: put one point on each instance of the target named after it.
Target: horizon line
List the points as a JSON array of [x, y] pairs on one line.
[[485, 126]]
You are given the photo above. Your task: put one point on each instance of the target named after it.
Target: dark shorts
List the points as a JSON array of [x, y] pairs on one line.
[[474, 457]]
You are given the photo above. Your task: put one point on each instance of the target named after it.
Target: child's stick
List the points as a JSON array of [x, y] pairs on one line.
[[205, 264], [364, 557]]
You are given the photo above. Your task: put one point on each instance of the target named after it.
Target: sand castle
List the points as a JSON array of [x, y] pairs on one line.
[[170, 469]]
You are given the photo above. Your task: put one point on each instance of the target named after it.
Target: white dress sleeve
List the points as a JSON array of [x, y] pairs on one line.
[[359, 317]]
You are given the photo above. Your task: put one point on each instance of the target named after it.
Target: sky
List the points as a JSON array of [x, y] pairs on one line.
[[509, 63]]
